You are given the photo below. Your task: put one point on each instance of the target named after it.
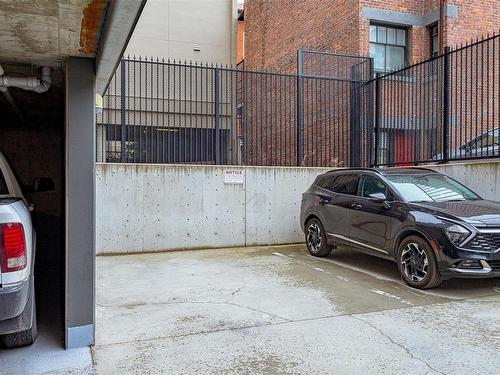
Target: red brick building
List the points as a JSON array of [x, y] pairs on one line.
[[394, 32]]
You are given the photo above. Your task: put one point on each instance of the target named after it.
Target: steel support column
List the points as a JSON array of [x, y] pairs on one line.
[[80, 203]]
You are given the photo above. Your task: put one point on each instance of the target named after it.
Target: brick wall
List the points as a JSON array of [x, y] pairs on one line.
[[475, 18], [275, 29]]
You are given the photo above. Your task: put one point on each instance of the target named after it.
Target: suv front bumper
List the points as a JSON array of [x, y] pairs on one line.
[[452, 256]]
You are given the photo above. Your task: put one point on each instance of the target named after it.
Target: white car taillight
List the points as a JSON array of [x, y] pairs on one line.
[[12, 247]]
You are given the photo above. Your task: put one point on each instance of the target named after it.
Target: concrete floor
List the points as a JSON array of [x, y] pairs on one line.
[[276, 310], [47, 355]]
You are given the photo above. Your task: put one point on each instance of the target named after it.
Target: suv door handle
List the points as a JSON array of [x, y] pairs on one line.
[[323, 200], [356, 206]]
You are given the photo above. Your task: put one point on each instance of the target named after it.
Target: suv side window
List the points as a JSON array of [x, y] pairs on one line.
[[345, 184], [373, 185], [325, 182]]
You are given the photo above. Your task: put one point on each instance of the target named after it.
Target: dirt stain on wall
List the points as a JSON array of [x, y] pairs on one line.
[[93, 17]]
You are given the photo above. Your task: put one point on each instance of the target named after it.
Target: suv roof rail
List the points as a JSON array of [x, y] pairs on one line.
[[424, 169], [376, 170]]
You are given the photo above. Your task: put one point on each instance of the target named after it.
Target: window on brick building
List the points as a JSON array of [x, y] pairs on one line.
[[388, 47], [434, 36]]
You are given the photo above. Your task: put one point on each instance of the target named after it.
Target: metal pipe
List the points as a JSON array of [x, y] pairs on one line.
[[35, 84], [442, 5]]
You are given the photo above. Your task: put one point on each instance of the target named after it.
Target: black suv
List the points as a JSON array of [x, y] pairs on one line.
[[433, 227]]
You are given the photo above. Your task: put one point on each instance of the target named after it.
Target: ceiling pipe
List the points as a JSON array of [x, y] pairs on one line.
[[35, 84]]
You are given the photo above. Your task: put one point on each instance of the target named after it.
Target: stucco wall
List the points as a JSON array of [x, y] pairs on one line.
[[144, 207], [174, 29]]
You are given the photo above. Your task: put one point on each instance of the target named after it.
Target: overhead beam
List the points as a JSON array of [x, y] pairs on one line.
[[118, 27]]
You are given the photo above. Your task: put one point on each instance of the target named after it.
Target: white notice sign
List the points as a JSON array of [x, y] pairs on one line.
[[234, 176]]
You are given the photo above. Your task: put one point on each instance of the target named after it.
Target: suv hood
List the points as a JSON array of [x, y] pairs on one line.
[[476, 212]]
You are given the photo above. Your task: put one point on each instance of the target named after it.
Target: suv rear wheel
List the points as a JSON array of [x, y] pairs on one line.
[[417, 263], [316, 239], [23, 338]]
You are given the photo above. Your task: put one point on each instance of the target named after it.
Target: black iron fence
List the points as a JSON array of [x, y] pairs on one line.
[[169, 112], [442, 109], [333, 112]]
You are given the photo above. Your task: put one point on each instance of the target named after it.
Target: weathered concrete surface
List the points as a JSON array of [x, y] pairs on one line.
[[276, 310], [144, 207], [190, 206], [44, 31]]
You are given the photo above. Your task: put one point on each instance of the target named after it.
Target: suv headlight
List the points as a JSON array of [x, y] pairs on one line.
[[456, 234]]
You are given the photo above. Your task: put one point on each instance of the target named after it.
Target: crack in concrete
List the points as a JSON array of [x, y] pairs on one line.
[[235, 292], [189, 334], [201, 303], [398, 344], [284, 321]]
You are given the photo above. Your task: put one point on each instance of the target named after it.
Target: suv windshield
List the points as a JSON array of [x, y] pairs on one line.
[[430, 188]]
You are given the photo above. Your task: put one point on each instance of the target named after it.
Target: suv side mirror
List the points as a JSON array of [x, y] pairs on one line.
[[41, 184], [378, 197]]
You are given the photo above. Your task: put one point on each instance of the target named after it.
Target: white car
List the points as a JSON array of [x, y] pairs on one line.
[[485, 144], [17, 257]]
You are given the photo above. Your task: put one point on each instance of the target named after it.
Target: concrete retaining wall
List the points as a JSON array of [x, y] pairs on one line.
[[165, 207], [143, 207]]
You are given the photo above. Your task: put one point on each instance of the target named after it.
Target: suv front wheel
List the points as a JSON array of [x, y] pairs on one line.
[[417, 263], [316, 239]]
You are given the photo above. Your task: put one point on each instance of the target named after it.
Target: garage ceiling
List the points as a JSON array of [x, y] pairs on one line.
[[44, 32]]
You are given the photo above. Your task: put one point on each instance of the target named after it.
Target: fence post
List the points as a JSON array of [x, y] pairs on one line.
[[354, 120], [298, 112], [217, 115], [370, 103], [122, 112], [377, 118], [446, 101]]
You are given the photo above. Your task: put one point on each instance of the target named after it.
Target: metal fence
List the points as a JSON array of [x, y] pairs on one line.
[[167, 112], [334, 108], [442, 109], [333, 112]]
